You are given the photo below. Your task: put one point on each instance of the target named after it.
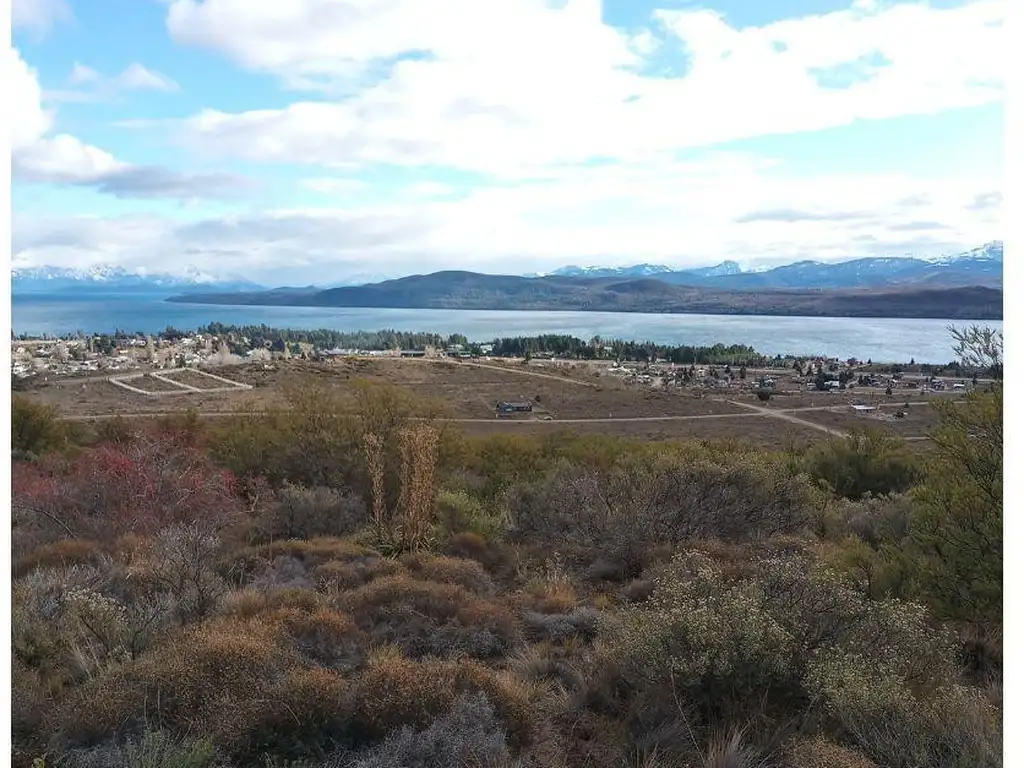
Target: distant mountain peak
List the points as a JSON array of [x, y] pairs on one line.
[[637, 270], [107, 276]]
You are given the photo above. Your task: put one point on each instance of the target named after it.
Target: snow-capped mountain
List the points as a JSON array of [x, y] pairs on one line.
[[979, 266], [110, 278], [637, 270], [990, 252]]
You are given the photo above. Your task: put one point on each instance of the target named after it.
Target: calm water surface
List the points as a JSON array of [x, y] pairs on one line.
[[890, 340]]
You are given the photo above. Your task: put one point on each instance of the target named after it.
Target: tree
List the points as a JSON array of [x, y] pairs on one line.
[[980, 348], [957, 524]]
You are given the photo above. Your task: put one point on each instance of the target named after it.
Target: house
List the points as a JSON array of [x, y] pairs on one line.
[[413, 353], [524, 406]]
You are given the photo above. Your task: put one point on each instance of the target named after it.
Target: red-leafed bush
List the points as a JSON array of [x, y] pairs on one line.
[[139, 487]]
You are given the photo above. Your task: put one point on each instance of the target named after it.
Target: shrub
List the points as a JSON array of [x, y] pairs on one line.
[[111, 490], [303, 442], [250, 603], [646, 502], [778, 643], [305, 714], [64, 552], [819, 752], [153, 749], [430, 619], [393, 692], [458, 512], [951, 728], [323, 637], [305, 513], [183, 560], [468, 734], [341, 575], [35, 427], [250, 562], [867, 461], [556, 628], [467, 574], [205, 679], [877, 520]]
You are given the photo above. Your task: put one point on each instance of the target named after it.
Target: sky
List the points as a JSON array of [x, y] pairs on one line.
[[319, 141]]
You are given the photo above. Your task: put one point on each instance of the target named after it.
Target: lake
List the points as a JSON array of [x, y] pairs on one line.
[[889, 340]]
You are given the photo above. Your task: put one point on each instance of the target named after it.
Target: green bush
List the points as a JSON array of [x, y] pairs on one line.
[[35, 427], [790, 642], [864, 462], [646, 502], [957, 526]]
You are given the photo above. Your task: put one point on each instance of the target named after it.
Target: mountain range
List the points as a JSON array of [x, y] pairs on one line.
[[979, 266], [111, 279], [964, 285]]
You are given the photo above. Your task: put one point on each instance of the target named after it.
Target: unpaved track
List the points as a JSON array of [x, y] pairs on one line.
[[753, 411]]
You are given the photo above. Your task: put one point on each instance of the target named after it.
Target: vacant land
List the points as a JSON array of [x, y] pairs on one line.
[[195, 379], [919, 419], [565, 397], [150, 383]]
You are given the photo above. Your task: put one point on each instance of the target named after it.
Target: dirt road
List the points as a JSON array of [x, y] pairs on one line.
[[752, 411]]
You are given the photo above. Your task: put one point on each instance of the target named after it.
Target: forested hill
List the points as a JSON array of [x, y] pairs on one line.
[[470, 290]]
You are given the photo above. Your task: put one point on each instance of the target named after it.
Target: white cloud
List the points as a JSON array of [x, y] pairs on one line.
[[39, 16], [81, 74], [333, 186], [136, 77], [38, 156], [686, 215], [88, 84], [493, 87]]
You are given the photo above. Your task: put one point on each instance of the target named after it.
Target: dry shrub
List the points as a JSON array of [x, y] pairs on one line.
[[71, 623], [183, 562], [622, 516], [424, 618], [29, 701], [63, 552], [469, 734], [638, 590], [201, 681], [304, 513], [732, 750], [473, 546], [468, 574], [338, 575], [819, 752], [394, 691], [305, 714], [251, 603], [556, 627], [152, 749], [311, 552], [323, 637], [407, 524]]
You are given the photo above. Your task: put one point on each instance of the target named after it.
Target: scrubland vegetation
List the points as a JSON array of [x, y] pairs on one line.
[[292, 589]]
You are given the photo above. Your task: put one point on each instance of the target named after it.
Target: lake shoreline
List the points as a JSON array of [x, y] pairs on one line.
[[899, 340]]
